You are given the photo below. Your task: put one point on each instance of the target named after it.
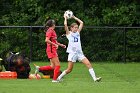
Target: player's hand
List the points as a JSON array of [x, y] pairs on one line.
[[65, 16], [73, 16], [63, 46]]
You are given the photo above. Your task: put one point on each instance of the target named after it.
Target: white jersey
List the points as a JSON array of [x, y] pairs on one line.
[[74, 45]]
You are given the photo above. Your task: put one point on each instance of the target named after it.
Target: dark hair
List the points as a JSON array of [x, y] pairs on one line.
[[50, 23]]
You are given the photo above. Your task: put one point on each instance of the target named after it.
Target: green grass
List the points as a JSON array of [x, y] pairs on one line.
[[116, 78]]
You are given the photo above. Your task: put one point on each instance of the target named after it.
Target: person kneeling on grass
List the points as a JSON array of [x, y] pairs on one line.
[[74, 49]]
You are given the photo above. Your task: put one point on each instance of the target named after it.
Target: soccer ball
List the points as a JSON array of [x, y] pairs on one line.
[[34, 76], [68, 14]]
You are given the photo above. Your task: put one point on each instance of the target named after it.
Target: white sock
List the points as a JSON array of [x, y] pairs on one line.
[[92, 73], [37, 69], [62, 75]]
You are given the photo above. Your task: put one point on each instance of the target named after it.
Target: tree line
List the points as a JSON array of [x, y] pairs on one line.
[[92, 12]]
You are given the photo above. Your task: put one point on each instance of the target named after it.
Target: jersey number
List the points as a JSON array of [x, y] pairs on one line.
[[75, 39]]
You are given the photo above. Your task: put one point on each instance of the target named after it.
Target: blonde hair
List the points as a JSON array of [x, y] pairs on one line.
[[73, 24]]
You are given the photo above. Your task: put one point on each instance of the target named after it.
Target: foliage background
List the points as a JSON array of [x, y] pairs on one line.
[[100, 45]]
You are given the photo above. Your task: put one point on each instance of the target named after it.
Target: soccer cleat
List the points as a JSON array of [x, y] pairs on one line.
[[98, 79], [55, 81], [36, 68]]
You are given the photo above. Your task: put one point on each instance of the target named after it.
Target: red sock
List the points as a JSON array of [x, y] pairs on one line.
[[42, 68], [56, 72]]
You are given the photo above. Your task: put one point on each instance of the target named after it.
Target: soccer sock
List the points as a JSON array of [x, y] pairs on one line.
[[42, 68], [37, 69], [62, 75], [56, 72], [92, 73]]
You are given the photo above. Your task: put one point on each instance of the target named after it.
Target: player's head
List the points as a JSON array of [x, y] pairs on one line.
[[74, 27], [50, 23]]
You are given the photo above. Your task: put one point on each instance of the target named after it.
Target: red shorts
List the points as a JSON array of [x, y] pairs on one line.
[[51, 53]]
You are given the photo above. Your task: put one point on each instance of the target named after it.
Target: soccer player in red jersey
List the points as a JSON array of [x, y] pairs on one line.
[[51, 50]]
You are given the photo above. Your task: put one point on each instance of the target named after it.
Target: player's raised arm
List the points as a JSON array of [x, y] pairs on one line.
[[81, 23], [65, 25]]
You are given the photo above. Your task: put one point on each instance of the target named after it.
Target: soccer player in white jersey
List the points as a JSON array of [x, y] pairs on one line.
[[74, 49]]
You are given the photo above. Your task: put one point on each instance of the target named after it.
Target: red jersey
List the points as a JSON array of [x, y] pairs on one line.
[[51, 49]]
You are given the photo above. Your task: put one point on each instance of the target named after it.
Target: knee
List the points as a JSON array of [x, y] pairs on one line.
[[52, 66]]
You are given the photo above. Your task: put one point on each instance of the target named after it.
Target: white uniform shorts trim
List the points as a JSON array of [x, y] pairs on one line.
[[73, 57]]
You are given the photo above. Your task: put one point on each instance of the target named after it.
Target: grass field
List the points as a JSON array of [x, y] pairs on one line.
[[116, 78]]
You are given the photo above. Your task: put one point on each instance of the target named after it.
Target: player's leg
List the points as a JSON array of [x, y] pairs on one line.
[[91, 70], [52, 64], [50, 55], [49, 67], [71, 59], [68, 70], [70, 67], [56, 61], [44, 68]]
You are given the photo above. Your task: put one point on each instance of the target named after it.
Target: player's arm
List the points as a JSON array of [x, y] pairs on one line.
[[48, 36], [49, 42], [57, 44], [81, 23], [62, 45], [65, 25]]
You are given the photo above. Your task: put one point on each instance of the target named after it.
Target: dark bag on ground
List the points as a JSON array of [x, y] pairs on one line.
[[15, 61]]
